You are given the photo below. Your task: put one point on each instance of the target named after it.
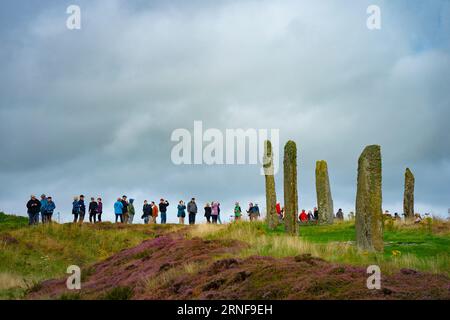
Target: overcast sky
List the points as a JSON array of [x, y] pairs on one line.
[[91, 111]]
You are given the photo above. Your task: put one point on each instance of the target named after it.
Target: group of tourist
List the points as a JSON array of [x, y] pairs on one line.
[[44, 208], [95, 209], [312, 216], [417, 216], [124, 211], [212, 211]]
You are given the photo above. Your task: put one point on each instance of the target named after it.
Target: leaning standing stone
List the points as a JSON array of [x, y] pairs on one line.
[[271, 197]]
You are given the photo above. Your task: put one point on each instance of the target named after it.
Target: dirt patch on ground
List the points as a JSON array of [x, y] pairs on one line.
[[156, 269]]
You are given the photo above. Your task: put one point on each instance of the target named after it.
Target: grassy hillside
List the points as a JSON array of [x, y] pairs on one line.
[[32, 254], [29, 255], [421, 247], [8, 222]]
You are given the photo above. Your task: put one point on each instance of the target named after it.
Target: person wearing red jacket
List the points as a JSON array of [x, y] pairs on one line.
[[303, 216], [278, 208]]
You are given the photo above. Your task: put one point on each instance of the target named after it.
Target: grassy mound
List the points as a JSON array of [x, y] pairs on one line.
[[179, 267], [123, 260], [422, 247], [9, 222], [31, 254]]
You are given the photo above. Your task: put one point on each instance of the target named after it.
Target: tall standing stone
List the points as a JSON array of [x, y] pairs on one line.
[[290, 188], [408, 196], [271, 197], [369, 233], [323, 190]]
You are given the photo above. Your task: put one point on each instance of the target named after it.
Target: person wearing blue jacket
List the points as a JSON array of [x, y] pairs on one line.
[[43, 209], [181, 212], [118, 210], [50, 208], [75, 209]]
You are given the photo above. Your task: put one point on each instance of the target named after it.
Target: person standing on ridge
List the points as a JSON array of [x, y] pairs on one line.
[[218, 213], [124, 209], [146, 212], [118, 210], [43, 208], [181, 212], [154, 212], [214, 211], [93, 205], [75, 209], [163, 204], [208, 212], [192, 211], [237, 212], [49, 210], [33, 208], [256, 212], [82, 208], [99, 209]]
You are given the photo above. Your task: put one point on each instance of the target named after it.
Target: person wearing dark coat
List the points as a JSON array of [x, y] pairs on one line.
[[208, 211], [93, 206], [146, 212], [192, 211], [33, 209], [99, 209], [125, 209], [163, 204], [82, 207], [316, 214]]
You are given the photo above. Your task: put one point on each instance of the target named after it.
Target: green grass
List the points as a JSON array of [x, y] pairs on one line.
[[29, 255], [8, 222], [416, 247], [32, 254]]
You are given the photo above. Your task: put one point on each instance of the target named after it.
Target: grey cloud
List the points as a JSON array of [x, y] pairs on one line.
[[92, 111]]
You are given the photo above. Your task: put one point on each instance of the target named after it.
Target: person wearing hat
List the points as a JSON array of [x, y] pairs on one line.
[[33, 208]]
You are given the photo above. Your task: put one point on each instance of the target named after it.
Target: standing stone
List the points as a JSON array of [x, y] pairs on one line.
[[369, 233], [408, 196], [290, 188], [271, 197], [323, 190]]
